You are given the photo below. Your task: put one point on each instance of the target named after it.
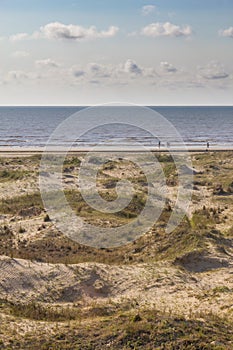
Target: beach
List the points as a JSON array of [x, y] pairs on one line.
[[116, 175], [52, 285], [29, 151]]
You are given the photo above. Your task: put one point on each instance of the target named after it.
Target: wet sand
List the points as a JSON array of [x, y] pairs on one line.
[[20, 151]]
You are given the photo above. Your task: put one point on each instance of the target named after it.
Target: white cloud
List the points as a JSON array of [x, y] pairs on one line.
[[166, 29], [57, 30], [48, 62], [213, 71], [19, 36], [148, 9], [92, 72], [123, 73], [20, 54], [111, 74], [167, 67], [132, 68], [227, 32]]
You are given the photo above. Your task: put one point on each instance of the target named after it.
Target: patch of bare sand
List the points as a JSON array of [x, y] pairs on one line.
[[165, 286]]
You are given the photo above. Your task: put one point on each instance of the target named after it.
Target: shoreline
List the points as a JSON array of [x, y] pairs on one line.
[[8, 151]]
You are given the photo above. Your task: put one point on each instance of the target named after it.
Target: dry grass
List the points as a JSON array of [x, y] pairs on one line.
[[190, 267]]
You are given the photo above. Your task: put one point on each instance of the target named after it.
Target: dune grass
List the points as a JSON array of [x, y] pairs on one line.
[[138, 329], [13, 175]]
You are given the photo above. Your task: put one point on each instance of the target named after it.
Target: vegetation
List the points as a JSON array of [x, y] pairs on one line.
[[206, 232], [52, 246], [16, 204], [142, 329], [12, 175]]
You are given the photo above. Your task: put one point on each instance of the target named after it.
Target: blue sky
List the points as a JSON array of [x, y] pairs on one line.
[[157, 52]]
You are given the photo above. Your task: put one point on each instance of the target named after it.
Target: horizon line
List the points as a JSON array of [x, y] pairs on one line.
[[102, 105]]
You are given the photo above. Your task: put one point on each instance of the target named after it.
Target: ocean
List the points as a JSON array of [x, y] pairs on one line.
[[32, 126]]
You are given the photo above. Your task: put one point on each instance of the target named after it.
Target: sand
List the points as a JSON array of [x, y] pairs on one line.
[[196, 283], [28, 151]]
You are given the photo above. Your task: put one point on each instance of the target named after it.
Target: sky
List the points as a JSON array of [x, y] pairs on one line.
[[155, 52]]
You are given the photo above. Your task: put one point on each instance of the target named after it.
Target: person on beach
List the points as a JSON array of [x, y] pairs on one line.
[[207, 146], [159, 144]]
